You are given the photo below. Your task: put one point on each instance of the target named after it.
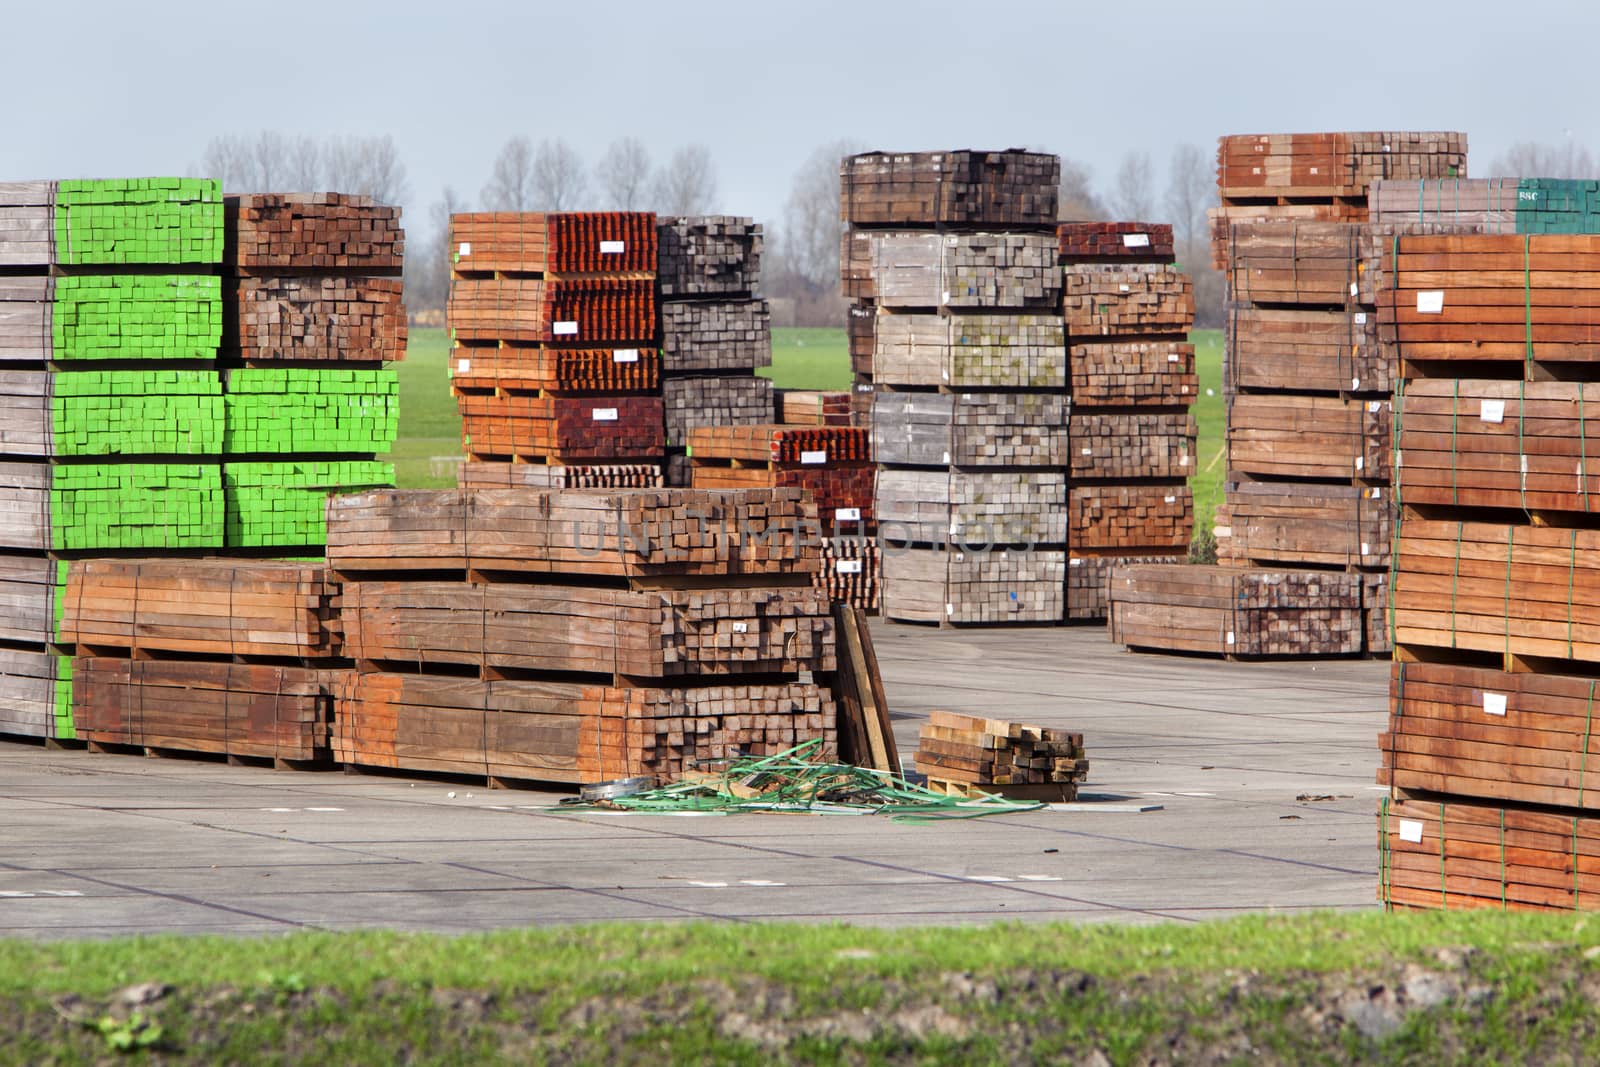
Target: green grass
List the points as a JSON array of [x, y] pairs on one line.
[[430, 428], [809, 359], [1211, 415], [628, 993]]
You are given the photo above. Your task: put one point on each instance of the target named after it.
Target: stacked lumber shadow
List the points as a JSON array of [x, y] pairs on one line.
[[1131, 440], [716, 330], [1497, 554], [578, 636], [176, 381], [951, 260], [1308, 499], [553, 324]]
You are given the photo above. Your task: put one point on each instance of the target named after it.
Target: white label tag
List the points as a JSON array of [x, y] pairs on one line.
[[1430, 301], [946, 458], [1374, 405], [847, 515], [465, 249], [625, 355], [1365, 550], [741, 627], [1124, 288], [946, 299], [1360, 463], [565, 329], [1086, 452], [1223, 531], [949, 609], [1355, 384], [847, 566], [863, 388], [1229, 639], [1172, 500], [1355, 290], [813, 457], [1183, 461], [1492, 411], [961, 557], [613, 248], [1494, 703], [1411, 830], [1361, 318], [463, 365], [1074, 562], [1135, 240], [1173, 358], [605, 414]]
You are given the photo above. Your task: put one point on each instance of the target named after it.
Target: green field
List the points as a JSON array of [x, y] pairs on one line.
[[1463, 988]]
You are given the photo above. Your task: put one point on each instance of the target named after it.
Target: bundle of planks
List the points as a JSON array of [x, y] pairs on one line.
[[968, 755], [849, 571], [716, 330], [1494, 592], [229, 657], [576, 635], [951, 257], [834, 463], [1127, 311], [553, 323], [811, 407], [1491, 205]]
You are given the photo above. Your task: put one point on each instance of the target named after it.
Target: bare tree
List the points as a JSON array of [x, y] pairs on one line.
[[1078, 200], [1533, 159], [304, 166], [428, 267], [558, 182], [811, 225], [510, 185], [230, 160], [1191, 189], [368, 166], [687, 185], [624, 174], [1134, 198]]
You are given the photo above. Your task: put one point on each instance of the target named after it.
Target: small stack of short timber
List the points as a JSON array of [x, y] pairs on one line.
[[222, 656], [966, 755], [950, 258], [811, 407], [553, 325], [1496, 574], [1235, 611], [1320, 177], [917, 193], [1131, 448], [715, 329], [579, 636]]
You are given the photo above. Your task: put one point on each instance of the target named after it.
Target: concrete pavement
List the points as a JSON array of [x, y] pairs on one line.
[[99, 845]]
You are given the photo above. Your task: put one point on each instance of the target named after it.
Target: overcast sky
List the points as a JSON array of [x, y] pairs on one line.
[[113, 89]]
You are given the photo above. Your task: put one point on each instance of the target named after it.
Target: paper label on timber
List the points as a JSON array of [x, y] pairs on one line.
[[1355, 383], [961, 557], [605, 414], [1366, 550], [1172, 500], [1430, 301], [848, 514], [1074, 562], [463, 365], [949, 609], [1492, 411], [613, 248], [1087, 452], [946, 458], [1173, 358], [1494, 703], [1411, 830], [563, 329], [1314, 170], [1355, 290], [465, 249], [1183, 460], [1374, 405], [1222, 531], [946, 299], [1229, 639], [847, 566], [1361, 318], [1124, 288], [741, 627], [1135, 240], [813, 457], [1376, 494], [1360, 463], [625, 355], [863, 388]]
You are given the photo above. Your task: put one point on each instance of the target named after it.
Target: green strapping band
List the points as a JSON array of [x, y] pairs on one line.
[[1444, 895], [1527, 293], [1502, 859], [1575, 862], [1522, 454], [1583, 759], [1455, 456], [1572, 573], [1385, 884], [1583, 448], [1511, 550], [1455, 581]]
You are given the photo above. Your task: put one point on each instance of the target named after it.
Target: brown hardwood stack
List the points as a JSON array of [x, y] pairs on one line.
[[715, 330], [833, 463], [224, 656], [1496, 587], [951, 259], [1131, 449], [850, 569], [967, 755], [553, 320], [477, 475], [579, 636], [811, 407]]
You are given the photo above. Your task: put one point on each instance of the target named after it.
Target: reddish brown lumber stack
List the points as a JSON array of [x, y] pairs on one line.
[[808, 407], [558, 370], [610, 635], [849, 571], [586, 242], [966, 755], [833, 463], [320, 233], [1127, 311], [588, 429], [497, 475]]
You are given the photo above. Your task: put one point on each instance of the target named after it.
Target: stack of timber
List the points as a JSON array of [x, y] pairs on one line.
[[811, 407], [112, 419], [950, 259], [1495, 588], [578, 635], [1491, 205], [966, 755], [1320, 177], [909, 197], [555, 357], [230, 657], [1236, 611], [833, 463], [716, 330], [1131, 449]]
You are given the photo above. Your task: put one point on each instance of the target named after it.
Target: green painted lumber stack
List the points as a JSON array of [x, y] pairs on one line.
[[116, 221], [136, 316], [286, 502], [291, 410]]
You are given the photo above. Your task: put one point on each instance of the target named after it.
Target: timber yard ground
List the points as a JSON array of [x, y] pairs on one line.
[[1199, 804]]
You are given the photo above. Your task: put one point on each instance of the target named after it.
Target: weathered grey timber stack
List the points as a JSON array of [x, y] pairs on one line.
[[715, 329], [957, 343]]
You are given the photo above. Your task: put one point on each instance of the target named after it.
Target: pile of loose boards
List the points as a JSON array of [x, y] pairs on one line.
[[182, 376], [963, 754], [1304, 533], [1496, 562]]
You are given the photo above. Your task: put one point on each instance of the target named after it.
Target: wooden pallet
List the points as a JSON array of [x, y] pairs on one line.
[[1306, 350], [1089, 580], [1078, 242], [320, 233], [1307, 524], [715, 335], [812, 407], [958, 587], [327, 319], [479, 475], [517, 367], [708, 256], [1119, 518], [842, 492], [850, 572], [714, 400], [590, 311], [973, 272]]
